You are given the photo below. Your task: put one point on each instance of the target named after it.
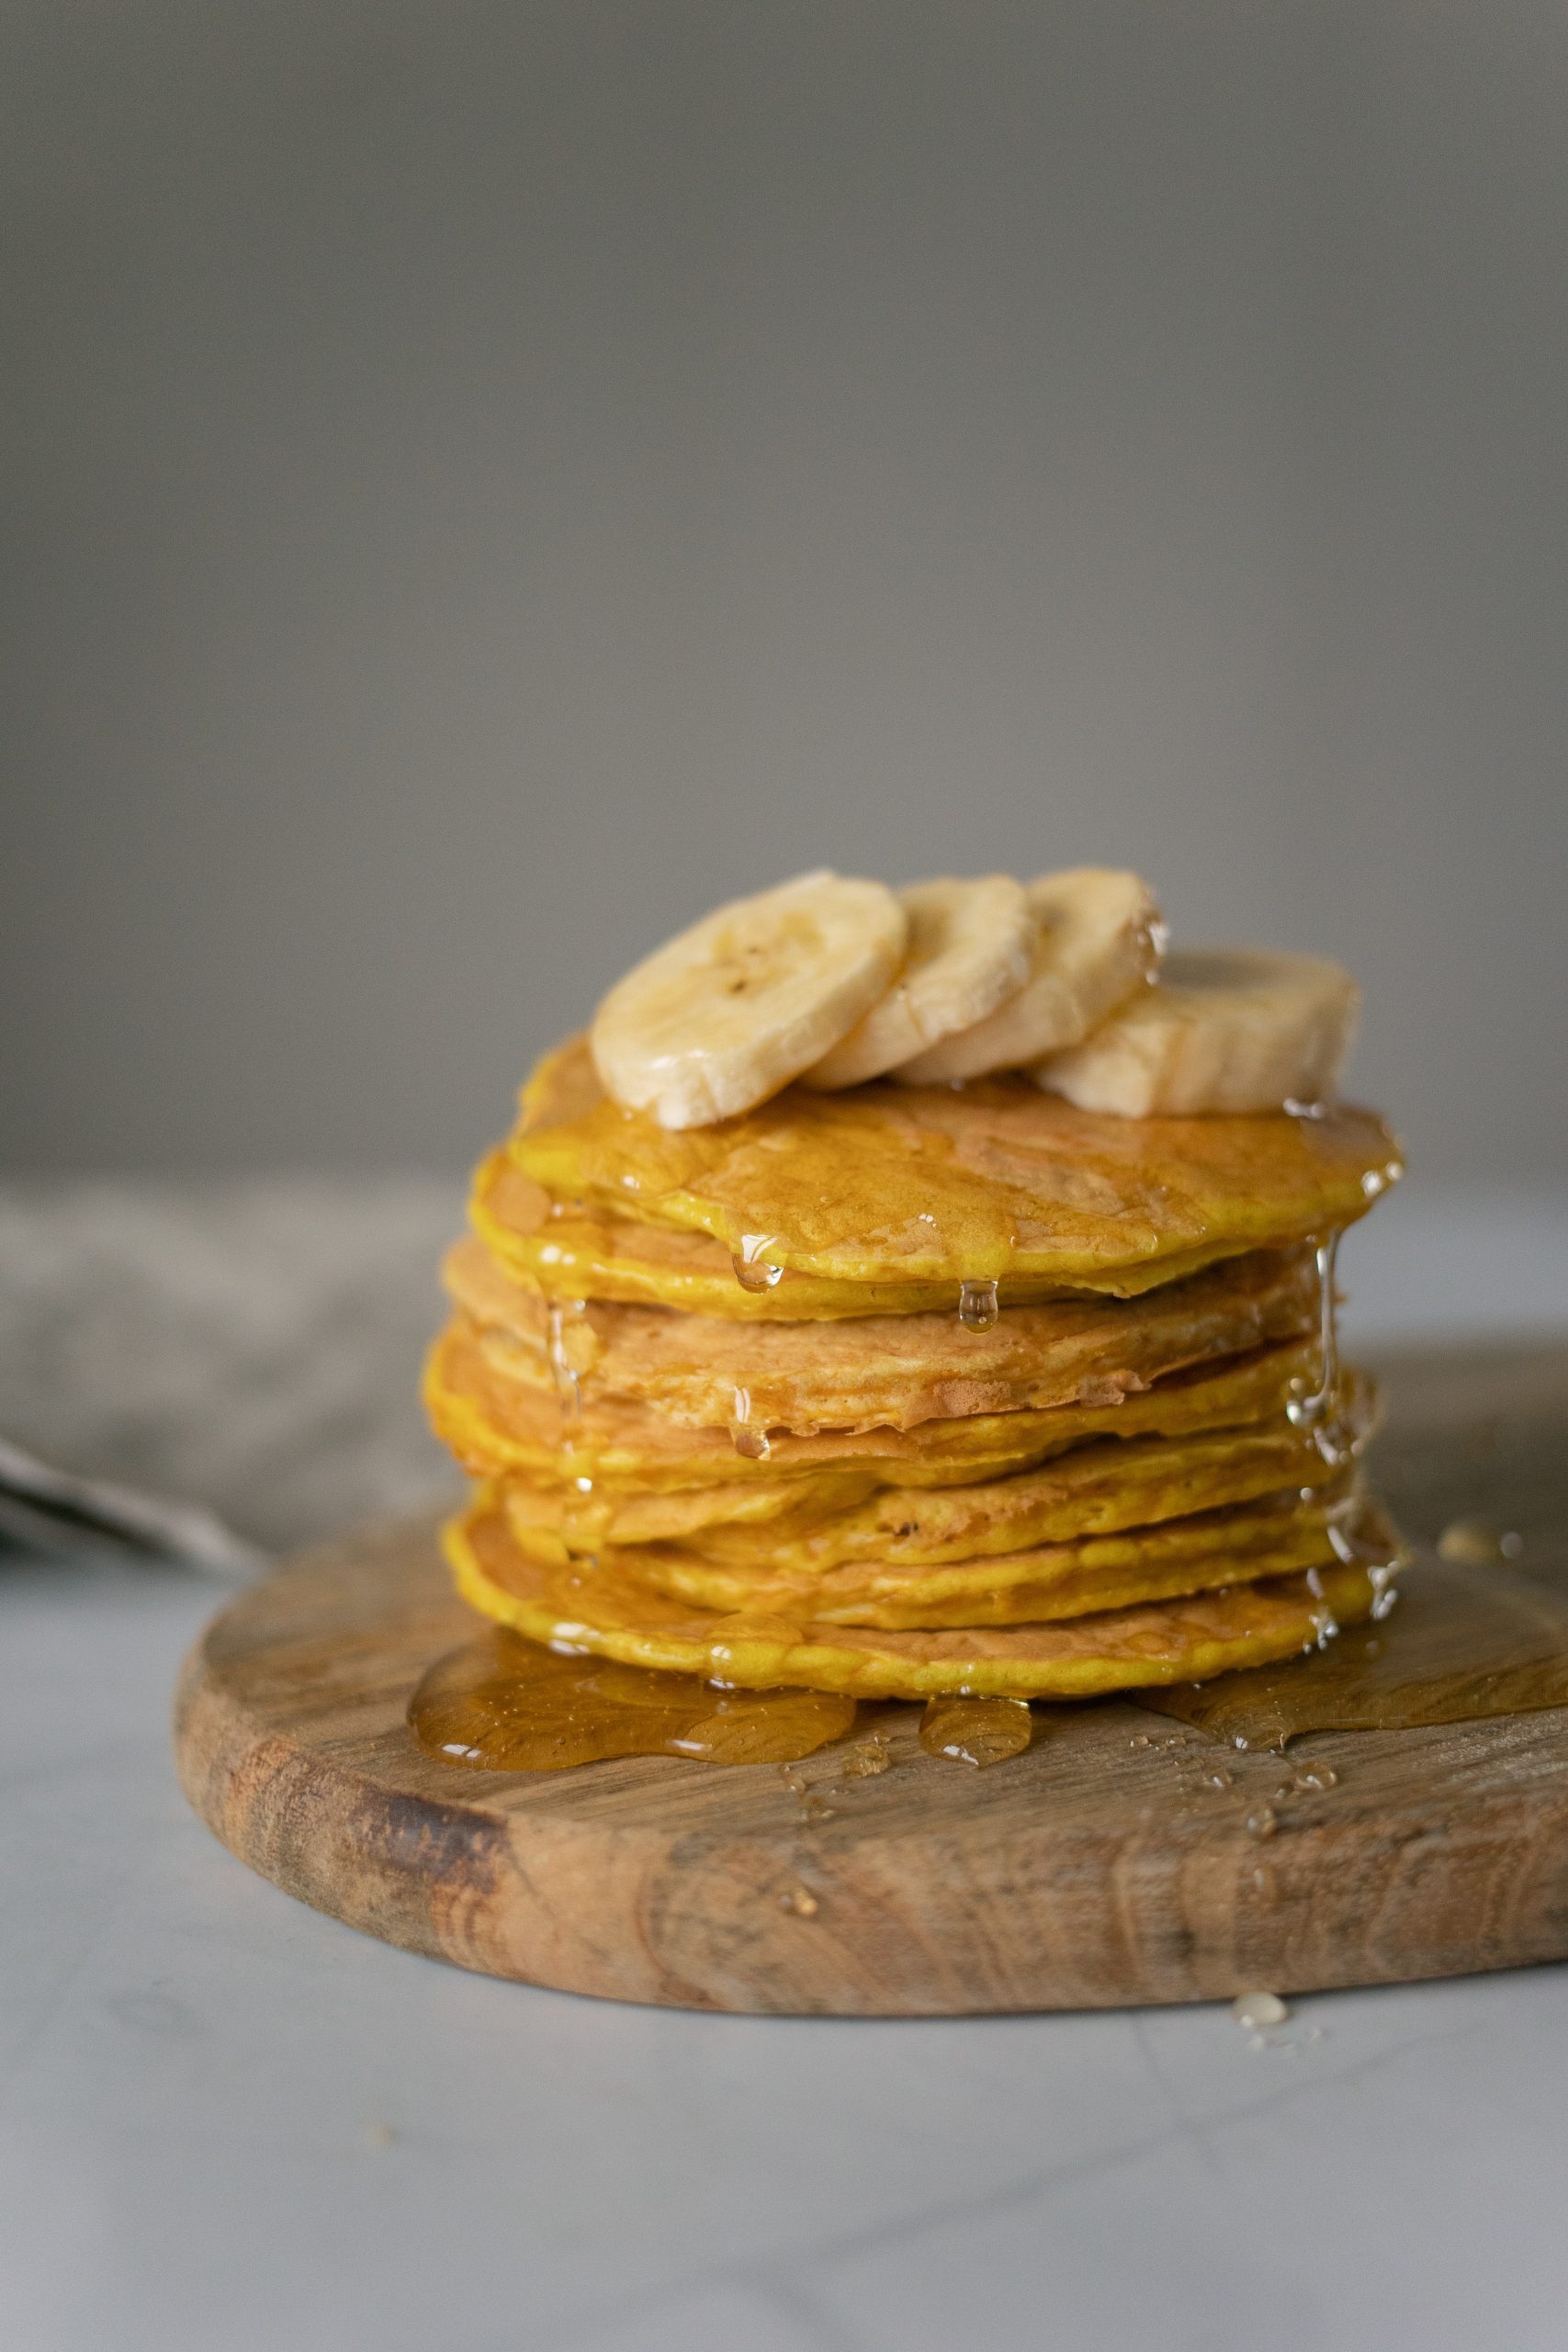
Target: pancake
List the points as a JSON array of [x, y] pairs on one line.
[[983, 1182], [1046, 1582], [1187, 1640], [1095, 1489], [578, 1253], [500, 1426], [886, 1371], [823, 1521]]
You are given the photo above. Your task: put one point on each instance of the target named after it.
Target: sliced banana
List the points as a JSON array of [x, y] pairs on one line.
[[970, 946], [1227, 1029], [1098, 937], [718, 1019]]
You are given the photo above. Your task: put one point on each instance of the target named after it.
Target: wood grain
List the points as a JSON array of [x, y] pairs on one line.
[[1093, 1873]]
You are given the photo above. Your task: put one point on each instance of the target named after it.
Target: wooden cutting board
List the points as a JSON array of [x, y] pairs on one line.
[[1095, 1871]]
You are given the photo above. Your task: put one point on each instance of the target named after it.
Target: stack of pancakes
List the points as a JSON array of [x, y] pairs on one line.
[[911, 1391]]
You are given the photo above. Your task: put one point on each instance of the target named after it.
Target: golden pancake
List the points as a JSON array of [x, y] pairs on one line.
[[1184, 1640], [1044, 1583], [583, 1253], [824, 1521], [993, 1181], [605, 1514], [887, 1371], [499, 1426], [1092, 1490]]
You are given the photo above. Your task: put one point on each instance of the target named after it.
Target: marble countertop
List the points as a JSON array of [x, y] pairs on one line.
[[227, 2121]]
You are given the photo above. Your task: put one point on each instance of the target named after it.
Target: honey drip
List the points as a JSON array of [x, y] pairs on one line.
[[751, 1270], [1315, 1412], [977, 1309], [977, 1731], [1464, 1642], [577, 1523], [563, 1372], [504, 1704], [749, 1442]]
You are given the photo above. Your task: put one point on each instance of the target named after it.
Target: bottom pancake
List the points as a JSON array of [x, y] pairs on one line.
[[1188, 1640]]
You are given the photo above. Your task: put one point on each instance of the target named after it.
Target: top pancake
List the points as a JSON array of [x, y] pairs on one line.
[[992, 1181], [579, 1252]]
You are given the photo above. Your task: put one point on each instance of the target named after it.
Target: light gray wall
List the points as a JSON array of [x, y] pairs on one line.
[[486, 481]]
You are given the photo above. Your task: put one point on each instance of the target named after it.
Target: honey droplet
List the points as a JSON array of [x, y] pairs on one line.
[[978, 1308], [1258, 2011], [1316, 1776], [977, 1731], [800, 1901], [1262, 1822], [753, 1271], [867, 1759]]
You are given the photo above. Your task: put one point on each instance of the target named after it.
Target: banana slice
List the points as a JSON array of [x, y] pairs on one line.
[[718, 1019], [1098, 937], [971, 945], [1227, 1029]]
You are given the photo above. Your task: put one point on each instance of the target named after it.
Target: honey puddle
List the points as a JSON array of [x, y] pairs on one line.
[[504, 1704], [1464, 1642]]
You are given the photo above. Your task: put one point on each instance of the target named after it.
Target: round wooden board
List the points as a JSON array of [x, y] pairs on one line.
[[1091, 1872]]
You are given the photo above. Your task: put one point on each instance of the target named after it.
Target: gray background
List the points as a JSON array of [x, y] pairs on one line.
[[484, 482]]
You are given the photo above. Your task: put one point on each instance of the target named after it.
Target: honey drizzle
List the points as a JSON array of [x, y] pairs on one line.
[[1316, 1412], [577, 1525], [1476, 1636]]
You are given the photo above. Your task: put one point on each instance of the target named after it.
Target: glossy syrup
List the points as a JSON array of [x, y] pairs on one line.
[[577, 1521], [504, 1704], [1315, 1411], [1464, 1642], [752, 1271], [977, 1731], [749, 1439], [978, 1308], [1481, 1630]]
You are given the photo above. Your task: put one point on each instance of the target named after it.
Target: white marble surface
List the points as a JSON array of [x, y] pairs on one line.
[[229, 2125]]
